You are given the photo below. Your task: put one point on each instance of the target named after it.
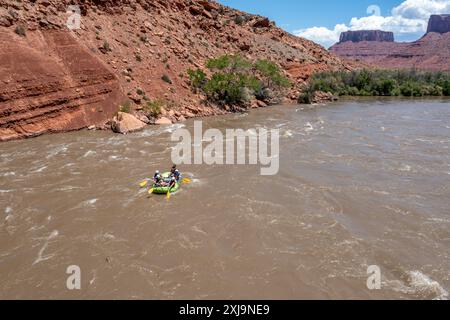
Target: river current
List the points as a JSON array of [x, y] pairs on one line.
[[361, 183]]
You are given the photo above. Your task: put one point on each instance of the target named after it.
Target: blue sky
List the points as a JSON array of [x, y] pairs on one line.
[[323, 20]]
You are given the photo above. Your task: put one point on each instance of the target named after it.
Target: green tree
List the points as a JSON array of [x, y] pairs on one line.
[[197, 78], [235, 79]]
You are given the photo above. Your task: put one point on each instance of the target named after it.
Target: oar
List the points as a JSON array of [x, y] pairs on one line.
[[168, 195], [186, 180], [150, 191], [143, 183]]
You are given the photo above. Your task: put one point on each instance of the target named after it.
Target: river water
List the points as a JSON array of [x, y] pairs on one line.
[[361, 183]]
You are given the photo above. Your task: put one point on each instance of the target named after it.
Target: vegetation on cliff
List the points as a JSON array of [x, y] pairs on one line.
[[235, 80], [407, 83]]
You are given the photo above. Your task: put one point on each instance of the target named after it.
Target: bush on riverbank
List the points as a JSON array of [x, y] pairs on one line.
[[236, 80], [408, 83]]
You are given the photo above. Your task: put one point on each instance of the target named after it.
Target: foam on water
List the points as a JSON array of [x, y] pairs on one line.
[[56, 151], [309, 127], [405, 168], [90, 202], [8, 212], [8, 174], [39, 169], [89, 153], [288, 134], [424, 286]]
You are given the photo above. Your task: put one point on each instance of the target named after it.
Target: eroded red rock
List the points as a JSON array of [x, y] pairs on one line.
[[50, 83], [54, 79]]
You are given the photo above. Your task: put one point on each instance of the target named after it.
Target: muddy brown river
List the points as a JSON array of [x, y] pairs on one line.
[[361, 183]]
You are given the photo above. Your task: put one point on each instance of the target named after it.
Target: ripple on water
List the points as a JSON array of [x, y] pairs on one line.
[[40, 169], [89, 153], [56, 151], [40, 256]]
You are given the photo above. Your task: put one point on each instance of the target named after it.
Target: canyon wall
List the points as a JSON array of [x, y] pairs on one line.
[[49, 83], [56, 79]]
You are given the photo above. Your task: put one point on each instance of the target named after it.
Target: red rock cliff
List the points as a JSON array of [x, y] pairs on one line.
[[54, 79], [49, 82]]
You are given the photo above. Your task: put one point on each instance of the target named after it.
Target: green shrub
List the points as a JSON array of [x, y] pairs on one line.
[[235, 80], [230, 88], [125, 107], [445, 85], [409, 83], [239, 20], [272, 73], [106, 46], [20, 31], [307, 95], [305, 98], [166, 78], [229, 63], [143, 38], [154, 108], [197, 78]]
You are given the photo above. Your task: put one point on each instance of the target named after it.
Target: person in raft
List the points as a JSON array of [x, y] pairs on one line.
[[172, 183], [175, 173], [157, 178]]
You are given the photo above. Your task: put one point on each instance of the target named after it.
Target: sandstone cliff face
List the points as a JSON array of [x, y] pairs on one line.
[[367, 35], [439, 23], [55, 79], [431, 52], [49, 83]]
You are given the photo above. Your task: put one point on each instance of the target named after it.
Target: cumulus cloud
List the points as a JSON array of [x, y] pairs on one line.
[[409, 18]]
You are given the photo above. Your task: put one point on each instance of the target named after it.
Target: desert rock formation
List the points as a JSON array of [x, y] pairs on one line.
[[431, 52], [367, 35], [439, 23], [57, 79]]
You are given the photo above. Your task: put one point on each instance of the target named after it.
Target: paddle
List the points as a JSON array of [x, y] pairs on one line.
[[168, 191], [186, 180], [143, 183], [150, 191]]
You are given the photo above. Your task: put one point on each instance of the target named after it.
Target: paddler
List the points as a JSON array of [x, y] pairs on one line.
[[172, 183], [175, 173], [157, 178], [172, 171]]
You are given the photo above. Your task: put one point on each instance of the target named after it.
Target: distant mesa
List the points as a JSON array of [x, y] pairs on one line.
[[367, 35], [439, 23], [378, 48]]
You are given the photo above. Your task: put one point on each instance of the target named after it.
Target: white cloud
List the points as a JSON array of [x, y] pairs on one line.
[[421, 9], [409, 18], [322, 35]]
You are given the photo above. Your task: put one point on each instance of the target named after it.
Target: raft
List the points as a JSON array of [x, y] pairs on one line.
[[164, 190]]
